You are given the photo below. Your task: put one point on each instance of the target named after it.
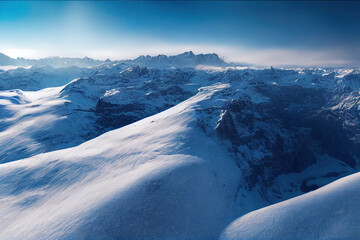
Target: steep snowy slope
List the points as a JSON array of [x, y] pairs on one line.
[[35, 122], [161, 177], [331, 212], [57, 118]]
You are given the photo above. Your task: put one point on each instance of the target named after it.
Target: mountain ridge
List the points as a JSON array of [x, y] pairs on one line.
[[186, 59]]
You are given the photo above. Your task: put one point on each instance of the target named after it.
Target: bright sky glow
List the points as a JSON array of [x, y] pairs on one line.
[[302, 33]]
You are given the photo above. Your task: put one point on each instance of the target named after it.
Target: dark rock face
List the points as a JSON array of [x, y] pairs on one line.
[[337, 136], [154, 92], [306, 187], [288, 133], [114, 115], [134, 72], [262, 130], [226, 128], [117, 115]]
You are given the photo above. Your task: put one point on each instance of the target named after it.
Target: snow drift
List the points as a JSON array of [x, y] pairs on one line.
[[331, 212]]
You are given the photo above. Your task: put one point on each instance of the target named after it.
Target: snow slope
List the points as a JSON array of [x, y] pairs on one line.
[[56, 118], [249, 138], [331, 212], [160, 177]]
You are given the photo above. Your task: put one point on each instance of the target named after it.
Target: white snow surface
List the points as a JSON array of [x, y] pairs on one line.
[[12, 67], [331, 212], [157, 178]]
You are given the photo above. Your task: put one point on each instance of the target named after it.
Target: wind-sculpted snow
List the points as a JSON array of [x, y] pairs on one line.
[[57, 118], [331, 212], [160, 177]]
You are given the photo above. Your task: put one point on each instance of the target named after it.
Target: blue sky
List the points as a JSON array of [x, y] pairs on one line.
[[303, 33]]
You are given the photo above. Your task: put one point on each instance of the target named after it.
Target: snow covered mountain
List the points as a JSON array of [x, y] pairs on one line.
[[55, 71], [144, 149], [160, 177], [36, 77], [56, 118], [51, 61], [6, 60], [186, 59]]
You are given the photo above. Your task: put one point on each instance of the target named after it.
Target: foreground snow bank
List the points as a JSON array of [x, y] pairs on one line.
[[331, 212]]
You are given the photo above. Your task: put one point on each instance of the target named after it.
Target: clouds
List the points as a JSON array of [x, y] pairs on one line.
[[329, 57]]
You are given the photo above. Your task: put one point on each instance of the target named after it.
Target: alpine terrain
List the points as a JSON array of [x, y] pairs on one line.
[[177, 147]]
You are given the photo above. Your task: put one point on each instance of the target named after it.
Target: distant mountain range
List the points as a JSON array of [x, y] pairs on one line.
[[51, 61], [186, 59]]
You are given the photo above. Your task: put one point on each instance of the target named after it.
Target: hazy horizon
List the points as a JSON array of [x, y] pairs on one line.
[[261, 33]]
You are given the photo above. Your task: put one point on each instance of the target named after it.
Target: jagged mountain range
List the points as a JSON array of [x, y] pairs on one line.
[[147, 150], [51, 61], [187, 59]]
